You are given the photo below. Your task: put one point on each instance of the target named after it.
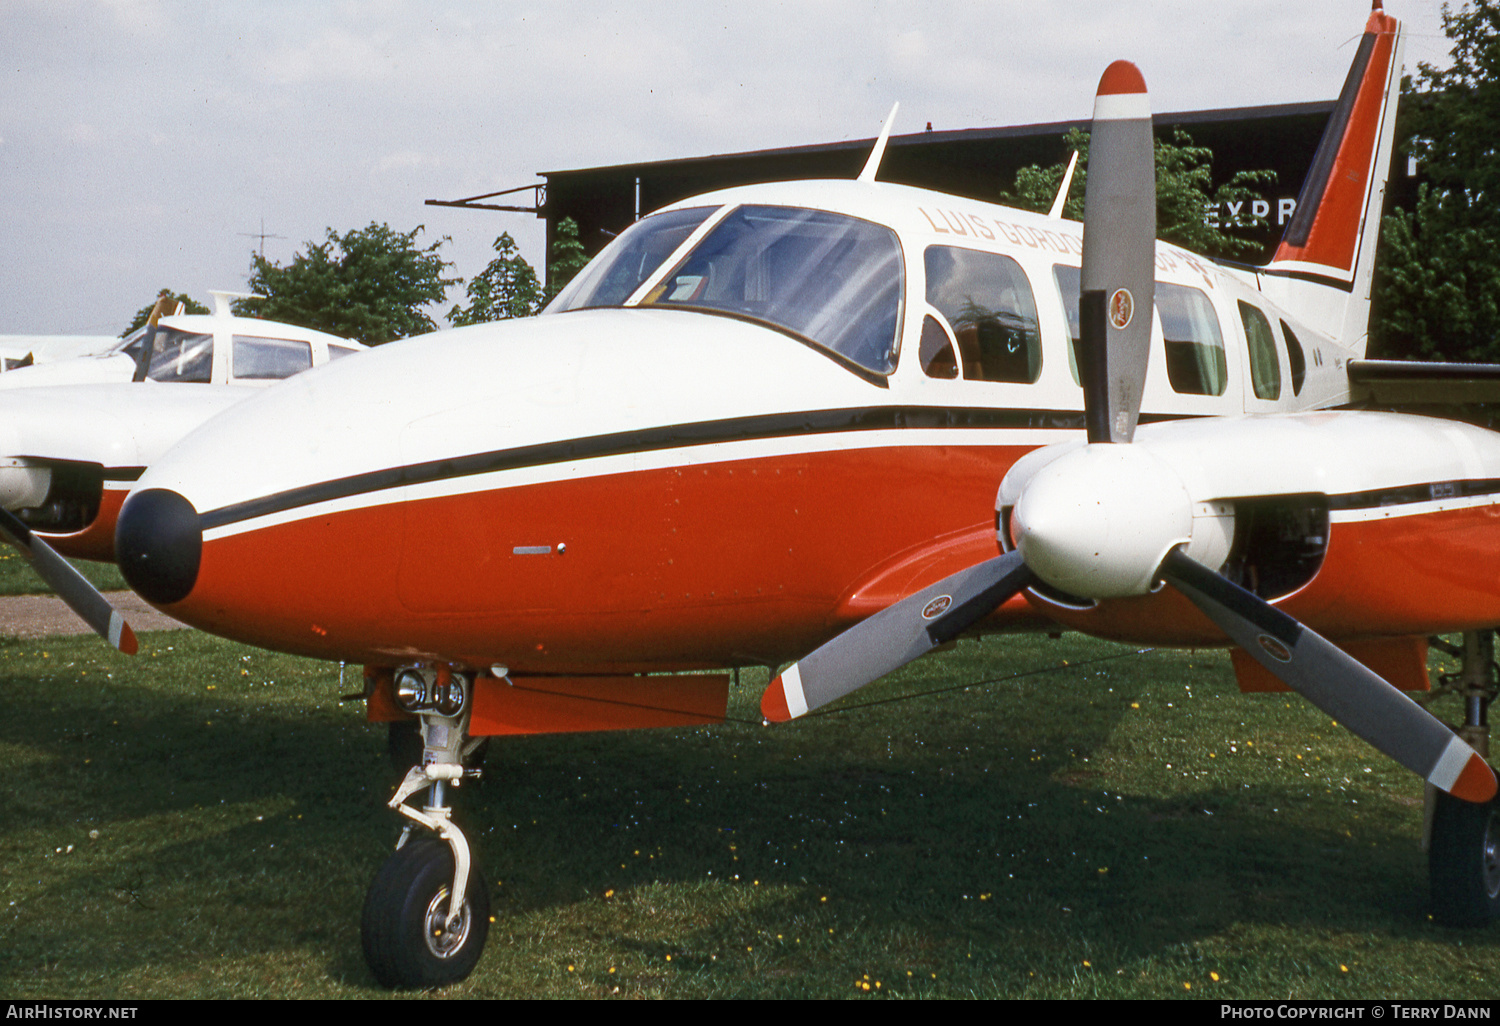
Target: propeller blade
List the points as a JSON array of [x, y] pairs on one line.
[[894, 637], [1335, 682], [1118, 280], [71, 586]]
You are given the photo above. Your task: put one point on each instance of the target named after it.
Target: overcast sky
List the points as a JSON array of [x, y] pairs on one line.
[[142, 142]]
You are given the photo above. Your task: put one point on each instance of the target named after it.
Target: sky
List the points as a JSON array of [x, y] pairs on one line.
[[143, 143]]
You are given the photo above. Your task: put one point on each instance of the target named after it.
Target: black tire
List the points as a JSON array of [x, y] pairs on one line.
[[1463, 862], [401, 928]]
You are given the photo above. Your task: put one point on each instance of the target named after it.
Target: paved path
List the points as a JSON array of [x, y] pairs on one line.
[[40, 616]]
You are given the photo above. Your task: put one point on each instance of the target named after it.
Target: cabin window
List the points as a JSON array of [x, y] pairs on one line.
[[265, 359], [831, 280], [181, 356], [1196, 364], [627, 262], [1069, 286], [1295, 357], [339, 352], [936, 350], [1265, 369], [988, 303]]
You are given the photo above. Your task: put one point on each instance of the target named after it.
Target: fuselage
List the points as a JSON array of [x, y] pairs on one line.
[[687, 462]]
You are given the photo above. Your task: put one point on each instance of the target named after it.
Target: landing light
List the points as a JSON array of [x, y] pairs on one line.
[[444, 694], [411, 690]]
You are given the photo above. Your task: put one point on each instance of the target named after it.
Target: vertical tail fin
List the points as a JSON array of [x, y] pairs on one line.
[[1323, 268]]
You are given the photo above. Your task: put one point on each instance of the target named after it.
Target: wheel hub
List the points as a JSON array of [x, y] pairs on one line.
[[442, 940]]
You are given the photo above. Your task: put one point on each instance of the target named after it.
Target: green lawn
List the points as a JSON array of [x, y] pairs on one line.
[[17, 577], [203, 820]]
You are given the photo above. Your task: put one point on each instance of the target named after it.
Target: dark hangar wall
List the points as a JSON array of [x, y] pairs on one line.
[[976, 163]]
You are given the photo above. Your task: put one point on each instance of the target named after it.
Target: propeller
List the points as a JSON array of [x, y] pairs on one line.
[[148, 342], [1117, 285], [1111, 518], [71, 586]]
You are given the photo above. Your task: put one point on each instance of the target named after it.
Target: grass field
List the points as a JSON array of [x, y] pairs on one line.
[[203, 820], [17, 577]]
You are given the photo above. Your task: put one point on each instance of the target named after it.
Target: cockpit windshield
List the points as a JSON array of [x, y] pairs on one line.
[[833, 280], [614, 274], [181, 356], [174, 355]]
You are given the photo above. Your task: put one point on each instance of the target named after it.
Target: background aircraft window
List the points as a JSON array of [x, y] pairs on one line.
[[614, 274], [1265, 369], [833, 280], [1296, 357], [269, 358], [936, 351], [986, 298], [339, 352], [1196, 364], [181, 356]]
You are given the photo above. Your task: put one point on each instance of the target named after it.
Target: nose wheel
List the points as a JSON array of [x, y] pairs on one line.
[[410, 940]]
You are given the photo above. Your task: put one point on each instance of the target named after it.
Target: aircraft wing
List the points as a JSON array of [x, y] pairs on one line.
[[1412, 383]]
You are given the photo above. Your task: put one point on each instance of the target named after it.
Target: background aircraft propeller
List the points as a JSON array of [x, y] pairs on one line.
[[71, 586], [1076, 529]]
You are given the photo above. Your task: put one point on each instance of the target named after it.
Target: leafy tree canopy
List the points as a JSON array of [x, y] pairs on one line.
[[144, 313], [1184, 193], [508, 287], [1437, 284], [370, 284], [568, 256]]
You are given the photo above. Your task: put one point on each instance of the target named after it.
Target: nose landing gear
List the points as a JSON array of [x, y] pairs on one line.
[[427, 913]]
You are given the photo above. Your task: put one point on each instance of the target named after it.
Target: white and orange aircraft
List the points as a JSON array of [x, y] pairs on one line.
[[775, 418]]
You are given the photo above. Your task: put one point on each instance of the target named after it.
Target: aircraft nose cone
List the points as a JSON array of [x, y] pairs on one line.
[[158, 544]]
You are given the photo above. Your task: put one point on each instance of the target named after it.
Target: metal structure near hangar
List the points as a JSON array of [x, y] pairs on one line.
[[978, 163]]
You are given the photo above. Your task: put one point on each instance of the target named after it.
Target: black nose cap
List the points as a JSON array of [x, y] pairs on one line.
[[158, 544]]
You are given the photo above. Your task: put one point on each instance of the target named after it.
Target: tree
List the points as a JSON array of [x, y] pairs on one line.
[[370, 284], [1437, 283], [507, 288], [568, 257], [144, 313], [1184, 178]]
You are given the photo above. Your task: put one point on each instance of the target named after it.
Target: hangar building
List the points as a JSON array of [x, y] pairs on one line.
[[978, 163]]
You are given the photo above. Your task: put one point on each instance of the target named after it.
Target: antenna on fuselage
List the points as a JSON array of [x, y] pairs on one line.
[[873, 164], [1062, 192]]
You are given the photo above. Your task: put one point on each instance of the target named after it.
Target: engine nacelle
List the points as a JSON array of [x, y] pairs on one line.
[[1097, 521]]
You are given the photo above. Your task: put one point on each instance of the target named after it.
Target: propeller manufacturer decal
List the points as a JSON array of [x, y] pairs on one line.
[[1121, 308], [1275, 649], [937, 607]]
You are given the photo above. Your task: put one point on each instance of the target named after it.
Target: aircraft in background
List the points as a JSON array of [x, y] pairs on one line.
[[773, 419], [75, 433], [17, 351]]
